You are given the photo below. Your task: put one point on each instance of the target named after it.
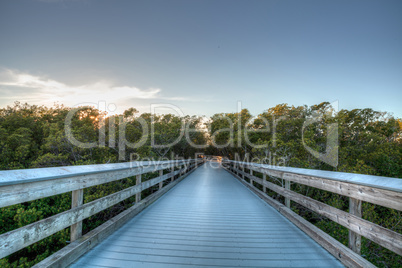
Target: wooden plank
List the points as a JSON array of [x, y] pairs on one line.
[[380, 235], [161, 183], [382, 197], [287, 200], [24, 192], [355, 208], [73, 251], [77, 199], [17, 239], [379, 182], [372, 195], [264, 178], [172, 172], [337, 249], [138, 181], [19, 176]]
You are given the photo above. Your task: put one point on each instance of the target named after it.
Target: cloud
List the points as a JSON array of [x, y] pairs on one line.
[[24, 87]]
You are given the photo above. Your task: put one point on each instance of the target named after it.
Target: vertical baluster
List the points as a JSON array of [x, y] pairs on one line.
[[264, 179], [77, 199], [287, 186], [172, 170], [161, 183], [355, 208], [138, 195]]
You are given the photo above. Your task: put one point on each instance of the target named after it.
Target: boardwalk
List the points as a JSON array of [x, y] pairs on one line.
[[208, 220]]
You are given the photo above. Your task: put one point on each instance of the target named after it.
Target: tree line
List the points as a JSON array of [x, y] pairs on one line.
[[31, 136]]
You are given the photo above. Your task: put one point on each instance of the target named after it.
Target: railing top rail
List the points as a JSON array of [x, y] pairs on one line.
[[18, 176], [386, 183]]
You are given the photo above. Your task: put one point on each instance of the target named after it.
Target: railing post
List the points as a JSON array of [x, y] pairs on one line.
[[172, 169], [355, 208], [138, 195], [161, 183], [264, 179], [242, 169], [181, 171], [287, 187], [251, 180], [77, 199]]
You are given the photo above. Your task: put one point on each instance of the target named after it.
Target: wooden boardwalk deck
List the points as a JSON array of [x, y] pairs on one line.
[[208, 220]]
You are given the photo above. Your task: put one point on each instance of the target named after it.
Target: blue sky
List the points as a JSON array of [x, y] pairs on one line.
[[202, 56]]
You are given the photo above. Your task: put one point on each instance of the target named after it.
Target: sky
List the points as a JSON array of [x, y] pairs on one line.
[[202, 56]]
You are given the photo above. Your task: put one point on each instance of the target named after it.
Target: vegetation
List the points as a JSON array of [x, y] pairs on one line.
[[370, 142], [35, 136]]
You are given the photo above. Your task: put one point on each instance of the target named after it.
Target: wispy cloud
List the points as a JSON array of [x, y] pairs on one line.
[[25, 87]]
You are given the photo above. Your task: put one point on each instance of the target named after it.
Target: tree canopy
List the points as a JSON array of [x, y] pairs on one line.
[[31, 136]]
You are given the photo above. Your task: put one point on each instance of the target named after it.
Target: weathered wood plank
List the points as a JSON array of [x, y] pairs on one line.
[[138, 181], [380, 235], [355, 208], [372, 195], [17, 239], [387, 183], [161, 183], [378, 196], [264, 178], [287, 200], [18, 176], [73, 251], [24, 192], [337, 249], [77, 199]]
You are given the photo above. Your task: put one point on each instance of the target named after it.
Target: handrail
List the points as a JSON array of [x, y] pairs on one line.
[[387, 190], [9, 177], [378, 190], [18, 186], [380, 182]]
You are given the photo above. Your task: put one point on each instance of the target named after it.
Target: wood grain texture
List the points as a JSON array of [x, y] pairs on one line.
[[380, 235], [24, 192], [17, 239], [355, 240], [337, 249], [73, 251], [378, 196], [77, 199]]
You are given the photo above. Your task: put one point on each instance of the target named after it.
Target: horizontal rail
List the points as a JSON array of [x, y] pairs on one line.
[[348, 257], [9, 177], [380, 235], [379, 182], [24, 190], [390, 197], [20, 238], [371, 191], [71, 252]]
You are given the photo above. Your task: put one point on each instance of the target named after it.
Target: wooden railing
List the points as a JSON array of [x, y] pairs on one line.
[[18, 186], [383, 191]]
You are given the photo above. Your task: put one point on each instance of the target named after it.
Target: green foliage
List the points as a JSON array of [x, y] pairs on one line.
[[369, 143], [35, 137]]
